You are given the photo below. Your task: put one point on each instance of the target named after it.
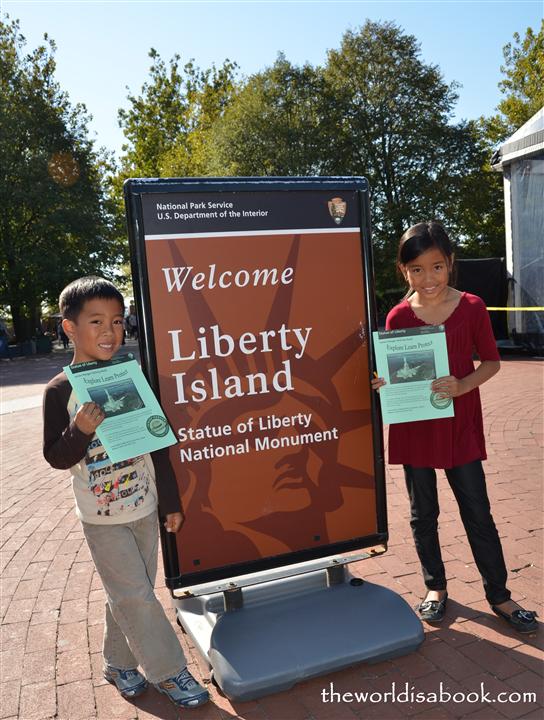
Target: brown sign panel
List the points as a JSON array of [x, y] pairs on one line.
[[254, 300]]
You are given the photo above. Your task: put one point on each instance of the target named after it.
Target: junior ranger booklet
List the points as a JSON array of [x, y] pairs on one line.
[[409, 360], [135, 423]]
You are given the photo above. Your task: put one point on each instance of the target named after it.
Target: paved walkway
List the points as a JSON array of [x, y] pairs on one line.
[[52, 599]]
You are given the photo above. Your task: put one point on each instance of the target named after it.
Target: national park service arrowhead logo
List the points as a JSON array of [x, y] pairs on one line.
[[337, 209]]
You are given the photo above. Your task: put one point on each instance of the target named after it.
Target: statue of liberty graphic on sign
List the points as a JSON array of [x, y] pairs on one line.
[[278, 499]]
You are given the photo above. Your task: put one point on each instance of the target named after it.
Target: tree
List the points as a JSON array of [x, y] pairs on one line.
[[167, 125], [523, 85], [55, 220], [393, 114], [480, 208], [375, 109], [272, 125]]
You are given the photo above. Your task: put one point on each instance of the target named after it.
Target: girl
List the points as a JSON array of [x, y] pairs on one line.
[[456, 444]]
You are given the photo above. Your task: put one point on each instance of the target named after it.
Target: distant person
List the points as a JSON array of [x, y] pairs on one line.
[[454, 444], [132, 322], [4, 339], [63, 337], [117, 506]]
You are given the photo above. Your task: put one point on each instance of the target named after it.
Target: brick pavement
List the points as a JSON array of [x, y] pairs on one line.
[[52, 599]]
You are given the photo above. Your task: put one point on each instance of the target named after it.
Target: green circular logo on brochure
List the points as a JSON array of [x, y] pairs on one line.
[[157, 426], [440, 402]]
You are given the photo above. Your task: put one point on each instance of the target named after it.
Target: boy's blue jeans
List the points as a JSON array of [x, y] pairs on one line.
[[468, 485], [137, 631]]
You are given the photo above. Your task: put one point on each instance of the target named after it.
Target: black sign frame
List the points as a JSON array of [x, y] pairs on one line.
[[134, 189]]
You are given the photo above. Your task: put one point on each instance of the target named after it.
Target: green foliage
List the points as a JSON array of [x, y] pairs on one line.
[[524, 81], [375, 109], [167, 125], [480, 210], [273, 124], [55, 222], [523, 85], [391, 118]]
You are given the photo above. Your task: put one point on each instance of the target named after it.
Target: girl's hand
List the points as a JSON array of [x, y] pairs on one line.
[[377, 383], [174, 521], [447, 386], [88, 417]]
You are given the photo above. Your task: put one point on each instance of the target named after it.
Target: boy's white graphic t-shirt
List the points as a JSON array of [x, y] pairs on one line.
[[106, 493], [111, 492]]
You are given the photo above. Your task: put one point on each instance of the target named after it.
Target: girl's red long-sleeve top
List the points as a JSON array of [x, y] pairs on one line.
[[448, 442]]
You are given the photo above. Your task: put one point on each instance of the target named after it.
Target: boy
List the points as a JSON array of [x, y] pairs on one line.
[[117, 506]]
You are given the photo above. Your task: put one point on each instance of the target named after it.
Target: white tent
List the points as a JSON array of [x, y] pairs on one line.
[[521, 160]]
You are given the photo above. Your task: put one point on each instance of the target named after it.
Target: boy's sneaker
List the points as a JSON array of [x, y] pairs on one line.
[[183, 690], [130, 683]]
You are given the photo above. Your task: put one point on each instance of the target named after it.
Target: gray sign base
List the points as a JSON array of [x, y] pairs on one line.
[[279, 633]]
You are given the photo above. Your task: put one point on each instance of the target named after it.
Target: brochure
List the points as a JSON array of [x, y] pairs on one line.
[[135, 423], [409, 360]]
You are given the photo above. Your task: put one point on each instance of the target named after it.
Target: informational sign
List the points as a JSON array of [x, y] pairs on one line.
[[409, 360], [253, 298], [134, 423]]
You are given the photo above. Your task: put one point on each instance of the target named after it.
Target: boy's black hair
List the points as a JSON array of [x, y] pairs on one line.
[[422, 237], [74, 295]]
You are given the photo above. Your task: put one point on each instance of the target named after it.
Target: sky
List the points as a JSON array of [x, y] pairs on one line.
[[103, 45]]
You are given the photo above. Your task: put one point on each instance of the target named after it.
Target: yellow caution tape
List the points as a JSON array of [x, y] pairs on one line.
[[512, 309]]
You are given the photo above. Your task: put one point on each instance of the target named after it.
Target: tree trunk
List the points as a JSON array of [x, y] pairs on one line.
[[21, 324]]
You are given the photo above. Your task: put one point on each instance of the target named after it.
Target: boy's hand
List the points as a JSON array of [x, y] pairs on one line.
[[377, 383], [174, 521], [88, 417]]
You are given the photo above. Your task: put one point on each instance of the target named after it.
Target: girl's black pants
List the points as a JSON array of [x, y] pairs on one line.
[[468, 485]]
